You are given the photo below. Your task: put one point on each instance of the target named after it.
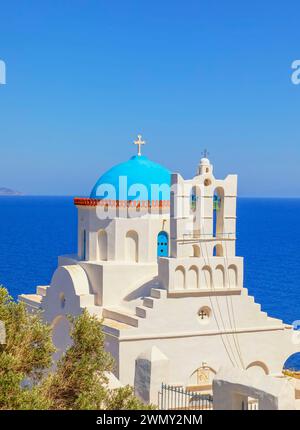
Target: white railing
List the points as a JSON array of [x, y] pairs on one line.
[[207, 236]]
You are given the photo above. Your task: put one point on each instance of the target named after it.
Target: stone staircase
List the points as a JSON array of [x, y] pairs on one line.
[[34, 302], [41, 290], [129, 318], [264, 315]]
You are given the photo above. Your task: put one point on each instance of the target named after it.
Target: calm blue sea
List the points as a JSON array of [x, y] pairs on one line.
[[35, 230]]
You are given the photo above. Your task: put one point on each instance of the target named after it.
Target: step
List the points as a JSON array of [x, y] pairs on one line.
[[87, 300], [257, 306], [114, 327], [42, 290], [140, 312], [148, 302], [121, 316], [157, 293], [32, 300], [275, 320]]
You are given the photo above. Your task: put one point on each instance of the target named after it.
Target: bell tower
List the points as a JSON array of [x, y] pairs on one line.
[[203, 229], [203, 213]]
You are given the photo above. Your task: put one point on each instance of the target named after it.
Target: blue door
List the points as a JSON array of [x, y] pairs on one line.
[[162, 244]]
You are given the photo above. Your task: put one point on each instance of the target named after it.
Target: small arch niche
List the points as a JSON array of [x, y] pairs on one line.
[[132, 246], [192, 278], [233, 276], [102, 245], [207, 182], [219, 277], [206, 278], [179, 280], [196, 251]]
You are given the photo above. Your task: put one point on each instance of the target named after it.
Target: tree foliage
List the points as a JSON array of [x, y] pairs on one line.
[[24, 357], [28, 379], [79, 380]]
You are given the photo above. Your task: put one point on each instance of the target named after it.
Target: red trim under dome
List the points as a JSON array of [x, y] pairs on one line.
[[84, 201]]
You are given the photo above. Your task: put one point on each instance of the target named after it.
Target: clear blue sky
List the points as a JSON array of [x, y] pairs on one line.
[[84, 77]]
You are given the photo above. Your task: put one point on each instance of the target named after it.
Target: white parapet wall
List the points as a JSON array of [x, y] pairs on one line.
[[235, 389]]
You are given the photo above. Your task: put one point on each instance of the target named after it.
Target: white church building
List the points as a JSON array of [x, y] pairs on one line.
[[157, 261]]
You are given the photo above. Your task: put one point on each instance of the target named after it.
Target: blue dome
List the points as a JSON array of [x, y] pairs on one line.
[[138, 170]]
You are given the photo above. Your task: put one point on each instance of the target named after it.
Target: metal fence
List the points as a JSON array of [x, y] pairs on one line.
[[177, 398]]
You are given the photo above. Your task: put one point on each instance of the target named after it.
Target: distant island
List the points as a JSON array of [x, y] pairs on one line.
[[9, 192]]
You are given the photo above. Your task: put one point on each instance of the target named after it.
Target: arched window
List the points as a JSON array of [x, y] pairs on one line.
[[195, 198], [132, 246], [218, 212], [102, 245], [162, 244], [218, 251]]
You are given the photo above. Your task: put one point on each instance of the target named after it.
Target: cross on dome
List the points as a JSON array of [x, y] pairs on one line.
[[205, 153], [139, 142]]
